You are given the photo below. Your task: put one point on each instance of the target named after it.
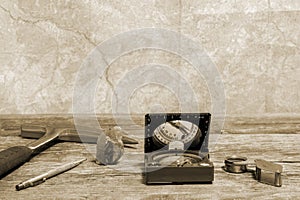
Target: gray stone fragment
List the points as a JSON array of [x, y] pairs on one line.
[[110, 147]]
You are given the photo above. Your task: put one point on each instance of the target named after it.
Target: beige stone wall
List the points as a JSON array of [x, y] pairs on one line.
[[254, 44]]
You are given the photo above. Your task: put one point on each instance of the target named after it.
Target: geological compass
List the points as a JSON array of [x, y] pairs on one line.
[[176, 148]]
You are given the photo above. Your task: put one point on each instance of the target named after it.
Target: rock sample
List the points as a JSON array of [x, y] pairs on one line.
[[110, 147]]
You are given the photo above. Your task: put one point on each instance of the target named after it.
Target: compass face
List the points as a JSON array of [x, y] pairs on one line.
[[176, 130]]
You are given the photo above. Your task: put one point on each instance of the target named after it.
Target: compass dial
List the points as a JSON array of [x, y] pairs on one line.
[[177, 130]]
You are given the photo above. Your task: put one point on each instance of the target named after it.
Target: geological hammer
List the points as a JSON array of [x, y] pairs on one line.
[[14, 157]]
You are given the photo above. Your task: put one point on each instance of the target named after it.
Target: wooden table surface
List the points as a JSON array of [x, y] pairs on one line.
[[125, 181]]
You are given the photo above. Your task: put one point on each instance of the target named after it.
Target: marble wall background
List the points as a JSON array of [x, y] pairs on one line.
[[254, 44]]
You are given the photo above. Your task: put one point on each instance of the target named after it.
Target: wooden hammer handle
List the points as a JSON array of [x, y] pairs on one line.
[[12, 158]]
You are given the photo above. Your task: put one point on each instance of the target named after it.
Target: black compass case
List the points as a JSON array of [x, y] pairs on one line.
[[156, 172]]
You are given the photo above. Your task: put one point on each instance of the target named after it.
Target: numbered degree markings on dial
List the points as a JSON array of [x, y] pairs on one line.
[[176, 130]]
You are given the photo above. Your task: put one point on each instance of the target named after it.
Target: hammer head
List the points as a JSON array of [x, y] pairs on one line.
[[32, 131], [70, 135]]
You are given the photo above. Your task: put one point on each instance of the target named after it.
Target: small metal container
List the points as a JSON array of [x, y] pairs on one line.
[[268, 172]]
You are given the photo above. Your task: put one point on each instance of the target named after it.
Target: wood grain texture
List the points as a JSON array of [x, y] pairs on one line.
[[92, 181], [274, 124]]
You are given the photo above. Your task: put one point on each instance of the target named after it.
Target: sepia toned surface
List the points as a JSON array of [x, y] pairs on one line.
[[254, 44], [92, 181]]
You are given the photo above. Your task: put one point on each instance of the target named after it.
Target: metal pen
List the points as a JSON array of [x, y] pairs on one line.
[[43, 177]]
